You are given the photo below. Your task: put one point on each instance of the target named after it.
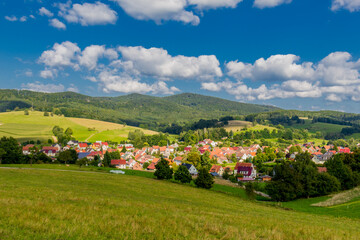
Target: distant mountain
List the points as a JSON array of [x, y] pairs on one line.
[[133, 109]]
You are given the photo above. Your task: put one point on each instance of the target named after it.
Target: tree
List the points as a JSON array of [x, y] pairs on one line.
[[68, 132], [123, 150], [250, 190], [82, 162], [226, 175], [163, 170], [204, 179], [26, 112], [145, 165], [194, 158], [183, 175], [2, 153], [68, 157], [46, 114], [12, 151], [107, 160]]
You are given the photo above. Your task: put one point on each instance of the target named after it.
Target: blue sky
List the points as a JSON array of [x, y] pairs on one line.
[[299, 54]]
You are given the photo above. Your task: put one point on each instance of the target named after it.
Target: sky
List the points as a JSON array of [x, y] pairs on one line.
[[293, 54]]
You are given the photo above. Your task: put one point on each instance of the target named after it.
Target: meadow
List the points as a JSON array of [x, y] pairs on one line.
[[39, 204], [319, 127], [36, 126]]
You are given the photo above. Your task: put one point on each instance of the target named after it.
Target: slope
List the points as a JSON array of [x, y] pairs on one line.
[[36, 126], [102, 206]]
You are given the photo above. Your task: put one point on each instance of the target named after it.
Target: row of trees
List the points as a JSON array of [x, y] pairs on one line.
[[163, 171], [301, 179], [62, 136]]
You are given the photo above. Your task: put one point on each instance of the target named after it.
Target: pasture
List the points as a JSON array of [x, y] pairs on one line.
[[40, 204], [36, 126]]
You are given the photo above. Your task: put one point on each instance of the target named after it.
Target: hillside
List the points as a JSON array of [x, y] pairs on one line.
[[133, 109], [38, 127], [102, 206]]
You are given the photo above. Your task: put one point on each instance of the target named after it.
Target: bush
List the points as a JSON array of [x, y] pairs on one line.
[[249, 189], [204, 179], [183, 175]]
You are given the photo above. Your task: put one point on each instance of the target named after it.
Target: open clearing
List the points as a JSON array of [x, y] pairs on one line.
[[39, 204], [38, 127]]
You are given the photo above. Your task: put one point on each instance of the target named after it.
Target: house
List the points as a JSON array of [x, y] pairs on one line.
[[246, 169], [317, 159], [119, 163], [178, 160], [82, 155], [50, 151], [151, 167], [266, 178], [192, 170], [26, 150], [82, 146], [137, 166], [322, 169], [228, 170], [217, 169], [344, 150]]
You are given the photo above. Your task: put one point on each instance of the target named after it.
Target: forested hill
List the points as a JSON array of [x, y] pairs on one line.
[[133, 109]]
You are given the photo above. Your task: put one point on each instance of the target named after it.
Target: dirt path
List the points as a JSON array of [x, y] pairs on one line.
[[86, 140], [55, 140]]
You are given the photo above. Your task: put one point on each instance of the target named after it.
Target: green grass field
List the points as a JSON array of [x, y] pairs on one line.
[[37, 127], [319, 127], [39, 204]]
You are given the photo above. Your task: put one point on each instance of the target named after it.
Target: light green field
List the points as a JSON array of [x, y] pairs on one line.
[[37, 127], [40, 204]]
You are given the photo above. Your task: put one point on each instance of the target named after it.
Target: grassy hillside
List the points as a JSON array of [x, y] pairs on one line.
[[37, 127], [319, 127], [134, 109], [103, 206]]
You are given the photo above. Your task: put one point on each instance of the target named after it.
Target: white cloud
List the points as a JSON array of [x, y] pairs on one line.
[[275, 68], [112, 81], [61, 55], [23, 19], [45, 12], [159, 10], [40, 87], [48, 73], [213, 4], [351, 5], [90, 56], [270, 3], [336, 77], [88, 13], [156, 62], [57, 24], [72, 88], [11, 19]]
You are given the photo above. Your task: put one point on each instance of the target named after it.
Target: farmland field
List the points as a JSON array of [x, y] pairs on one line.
[[85, 205], [38, 127]]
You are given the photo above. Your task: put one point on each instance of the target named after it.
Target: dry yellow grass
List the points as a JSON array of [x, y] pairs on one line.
[[340, 198]]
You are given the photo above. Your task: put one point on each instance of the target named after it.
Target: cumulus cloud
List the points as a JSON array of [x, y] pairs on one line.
[[56, 23], [113, 81], [90, 56], [88, 13], [275, 68], [41, 87], [45, 12], [270, 3], [350, 5], [336, 77], [213, 4], [159, 10], [61, 55], [158, 63], [175, 10], [125, 73]]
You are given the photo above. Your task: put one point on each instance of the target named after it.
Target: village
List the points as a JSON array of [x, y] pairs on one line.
[[232, 160]]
